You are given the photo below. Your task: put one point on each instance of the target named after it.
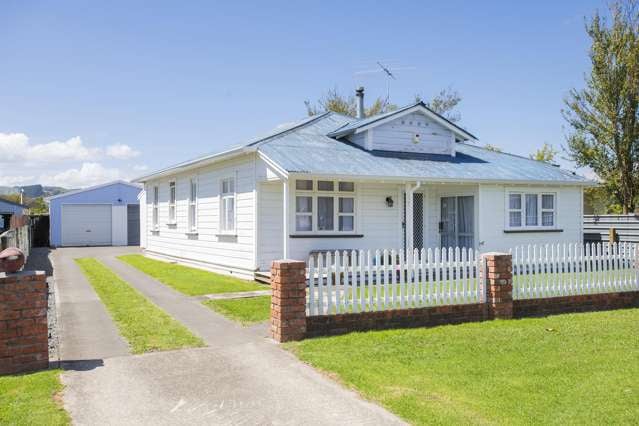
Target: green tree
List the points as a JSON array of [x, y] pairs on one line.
[[37, 206], [603, 115], [493, 148], [14, 198], [546, 153], [443, 103], [346, 105]]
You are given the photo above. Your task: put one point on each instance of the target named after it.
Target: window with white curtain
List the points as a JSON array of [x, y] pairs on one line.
[[156, 200], [193, 205], [172, 219], [324, 206], [531, 210], [227, 205]]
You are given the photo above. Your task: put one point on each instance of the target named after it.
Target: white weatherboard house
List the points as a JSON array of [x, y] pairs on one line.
[[403, 179]]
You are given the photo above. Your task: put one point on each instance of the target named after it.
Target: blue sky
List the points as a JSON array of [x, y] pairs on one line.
[[91, 91]]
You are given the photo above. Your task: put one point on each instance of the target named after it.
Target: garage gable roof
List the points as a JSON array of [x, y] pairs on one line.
[[92, 188]]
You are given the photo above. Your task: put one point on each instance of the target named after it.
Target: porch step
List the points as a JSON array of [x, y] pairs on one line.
[[263, 277]]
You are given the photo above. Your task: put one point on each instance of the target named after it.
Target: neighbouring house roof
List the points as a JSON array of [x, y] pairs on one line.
[[311, 147], [91, 188]]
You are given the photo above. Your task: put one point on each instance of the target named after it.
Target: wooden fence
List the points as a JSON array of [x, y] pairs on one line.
[[365, 281], [574, 269], [596, 228]]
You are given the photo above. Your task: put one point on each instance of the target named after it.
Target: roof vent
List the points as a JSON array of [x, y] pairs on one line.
[[359, 94]]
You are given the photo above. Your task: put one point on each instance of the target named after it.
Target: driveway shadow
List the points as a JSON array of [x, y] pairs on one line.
[[80, 365]]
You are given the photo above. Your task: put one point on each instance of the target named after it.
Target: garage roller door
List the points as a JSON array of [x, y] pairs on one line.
[[86, 225]]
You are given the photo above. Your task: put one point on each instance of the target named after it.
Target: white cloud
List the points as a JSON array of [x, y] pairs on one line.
[[16, 180], [88, 174], [121, 151], [140, 167], [16, 147]]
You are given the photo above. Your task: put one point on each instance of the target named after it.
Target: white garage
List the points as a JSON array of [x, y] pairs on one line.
[[86, 225], [103, 215]]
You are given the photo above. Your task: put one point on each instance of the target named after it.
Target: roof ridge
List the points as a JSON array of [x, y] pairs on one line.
[[297, 126]]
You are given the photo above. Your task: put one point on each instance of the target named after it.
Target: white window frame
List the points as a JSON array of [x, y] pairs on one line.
[[522, 193], [192, 205], [336, 194], [155, 210], [227, 196], [172, 203]]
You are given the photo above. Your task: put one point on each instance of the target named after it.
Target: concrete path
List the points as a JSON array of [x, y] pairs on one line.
[[85, 329], [237, 295], [241, 378]]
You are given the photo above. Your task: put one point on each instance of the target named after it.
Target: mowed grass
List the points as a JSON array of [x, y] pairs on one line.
[[565, 369], [145, 326], [246, 310], [32, 399], [189, 281]]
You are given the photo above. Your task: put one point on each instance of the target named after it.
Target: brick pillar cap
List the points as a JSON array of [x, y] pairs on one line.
[[288, 262], [495, 253], [21, 274]]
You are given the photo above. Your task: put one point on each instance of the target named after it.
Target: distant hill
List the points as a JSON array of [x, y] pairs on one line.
[[33, 191]]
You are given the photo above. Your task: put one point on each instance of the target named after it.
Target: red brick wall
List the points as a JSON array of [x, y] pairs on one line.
[[398, 318], [289, 320], [568, 304], [23, 322]]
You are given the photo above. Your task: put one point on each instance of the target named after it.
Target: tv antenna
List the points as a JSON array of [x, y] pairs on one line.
[[387, 70]]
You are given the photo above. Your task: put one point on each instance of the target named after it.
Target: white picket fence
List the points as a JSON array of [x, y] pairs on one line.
[[574, 269], [360, 281]]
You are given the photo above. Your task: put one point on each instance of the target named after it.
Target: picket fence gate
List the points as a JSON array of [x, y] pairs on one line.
[[555, 270], [365, 280]]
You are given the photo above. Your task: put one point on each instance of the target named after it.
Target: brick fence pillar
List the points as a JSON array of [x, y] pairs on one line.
[[499, 285], [24, 332], [288, 301]]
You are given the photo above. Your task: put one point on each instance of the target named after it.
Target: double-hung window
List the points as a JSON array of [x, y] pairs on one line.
[[324, 206], [193, 205], [227, 205], [156, 199], [172, 219], [531, 210]]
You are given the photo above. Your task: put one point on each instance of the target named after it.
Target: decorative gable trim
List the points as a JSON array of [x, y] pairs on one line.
[[419, 107]]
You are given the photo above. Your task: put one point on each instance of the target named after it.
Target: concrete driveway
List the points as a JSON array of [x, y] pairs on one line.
[[242, 377]]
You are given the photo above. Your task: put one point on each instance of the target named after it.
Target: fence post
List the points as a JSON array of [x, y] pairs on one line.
[[288, 300], [499, 285]]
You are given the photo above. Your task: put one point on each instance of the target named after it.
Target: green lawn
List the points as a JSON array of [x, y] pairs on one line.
[[145, 326], [247, 310], [32, 399], [565, 369], [189, 281]]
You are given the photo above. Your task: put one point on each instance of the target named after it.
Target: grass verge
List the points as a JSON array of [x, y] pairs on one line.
[[564, 369], [31, 399], [145, 326], [246, 310], [189, 281]]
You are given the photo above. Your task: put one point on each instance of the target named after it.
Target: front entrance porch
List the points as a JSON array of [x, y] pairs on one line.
[[299, 217]]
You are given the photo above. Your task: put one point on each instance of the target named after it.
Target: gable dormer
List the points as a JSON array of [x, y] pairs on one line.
[[413, 129]]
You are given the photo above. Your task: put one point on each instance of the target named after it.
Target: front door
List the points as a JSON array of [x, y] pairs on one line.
[[457, 226], [418, 220]]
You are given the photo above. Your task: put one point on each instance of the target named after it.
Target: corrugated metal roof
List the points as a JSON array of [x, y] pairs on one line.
[[304, 147], [309, 150]]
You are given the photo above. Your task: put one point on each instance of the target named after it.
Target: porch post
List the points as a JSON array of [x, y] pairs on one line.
[[285, 219]]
